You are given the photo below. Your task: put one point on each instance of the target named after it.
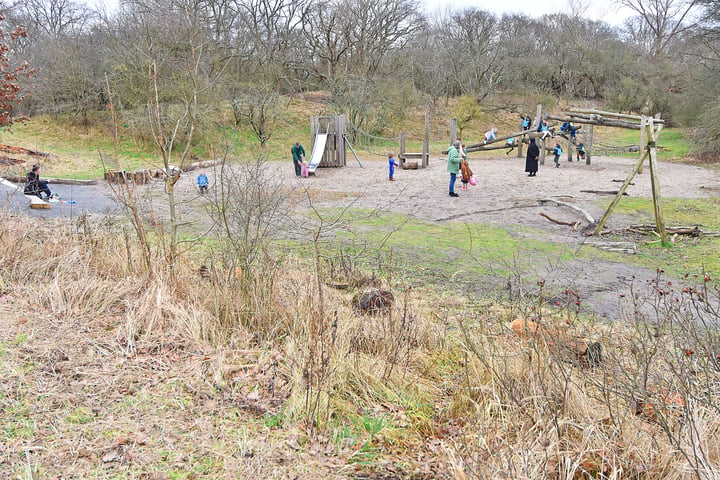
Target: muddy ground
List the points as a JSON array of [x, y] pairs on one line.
[[504, 196]]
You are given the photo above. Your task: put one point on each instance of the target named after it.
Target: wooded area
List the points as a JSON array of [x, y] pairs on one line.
[[375, 60]]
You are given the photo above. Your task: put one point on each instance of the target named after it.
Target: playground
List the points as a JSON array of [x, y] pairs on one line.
[[560, 205]]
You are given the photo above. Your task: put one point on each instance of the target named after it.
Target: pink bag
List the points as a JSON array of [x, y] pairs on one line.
[[304, 169], [472, 180]]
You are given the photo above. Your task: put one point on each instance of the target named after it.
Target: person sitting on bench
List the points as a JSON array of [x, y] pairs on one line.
[[35, 186]]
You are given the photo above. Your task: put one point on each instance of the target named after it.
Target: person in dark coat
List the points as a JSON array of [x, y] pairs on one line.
[[35, 186], [531, 160], [298, 154]]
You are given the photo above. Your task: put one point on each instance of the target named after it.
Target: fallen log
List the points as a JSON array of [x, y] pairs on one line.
[[587, 215], [684, 230], [622, 181], [202, 164], [560, 222], [22, 151], [621, 247]]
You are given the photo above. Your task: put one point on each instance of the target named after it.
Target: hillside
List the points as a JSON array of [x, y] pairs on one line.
[[513, 347]]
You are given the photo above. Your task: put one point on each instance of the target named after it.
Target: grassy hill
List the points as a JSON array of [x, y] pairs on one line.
[[86, 151]]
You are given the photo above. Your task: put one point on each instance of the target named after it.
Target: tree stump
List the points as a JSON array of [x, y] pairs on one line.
[[372, 302]]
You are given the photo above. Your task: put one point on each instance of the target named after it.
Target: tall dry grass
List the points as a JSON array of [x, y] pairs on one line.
[[435, 377]]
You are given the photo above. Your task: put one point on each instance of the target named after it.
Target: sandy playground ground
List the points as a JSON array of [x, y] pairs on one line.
[[505, 195]]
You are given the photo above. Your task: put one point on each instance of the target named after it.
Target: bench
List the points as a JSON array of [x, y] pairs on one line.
[[37, 202]]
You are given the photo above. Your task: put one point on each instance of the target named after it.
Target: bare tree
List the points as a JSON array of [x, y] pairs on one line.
[[54, 18], [665, 20], [474, 33]]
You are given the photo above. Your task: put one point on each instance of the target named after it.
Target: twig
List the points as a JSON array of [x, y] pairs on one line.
[[560, 222]]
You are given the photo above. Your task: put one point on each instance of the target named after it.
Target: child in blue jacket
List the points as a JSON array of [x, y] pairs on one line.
[[391, 167], [557, 151]]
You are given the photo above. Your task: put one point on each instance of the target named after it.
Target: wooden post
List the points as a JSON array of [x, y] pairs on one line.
[[426, 142], [314, 122], [401, 154], [655, 178], [538, 116], [453, 130], [340, 125], [588, 144], [643, 147], [570, 149]]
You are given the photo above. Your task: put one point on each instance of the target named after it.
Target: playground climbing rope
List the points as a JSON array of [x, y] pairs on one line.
[[372, 144]]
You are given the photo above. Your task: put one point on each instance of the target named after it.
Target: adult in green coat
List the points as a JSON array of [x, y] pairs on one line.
[[453, 165], [298, 153]]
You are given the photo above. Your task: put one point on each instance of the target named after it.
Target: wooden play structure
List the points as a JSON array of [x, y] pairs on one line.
[[649, 127], [335, 127], [413, 160]]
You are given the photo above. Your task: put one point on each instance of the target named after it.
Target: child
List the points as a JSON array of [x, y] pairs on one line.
[[526, 122], [202, 182], [304, 169], [391, 167], [510, 143], [490, 136], [465, 172], [580, 151], [557, 151]]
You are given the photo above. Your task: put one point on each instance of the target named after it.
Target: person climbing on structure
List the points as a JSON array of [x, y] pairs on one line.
[[490, 135]]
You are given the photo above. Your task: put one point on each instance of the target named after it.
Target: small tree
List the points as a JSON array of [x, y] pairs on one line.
[[11, 74], [260, 108], [466, 110]]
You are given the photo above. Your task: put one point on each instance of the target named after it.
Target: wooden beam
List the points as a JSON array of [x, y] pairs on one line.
[[591, 111], [619, 195], [596, 120]]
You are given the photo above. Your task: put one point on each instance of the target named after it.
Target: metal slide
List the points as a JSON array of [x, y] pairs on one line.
[[317, 151]]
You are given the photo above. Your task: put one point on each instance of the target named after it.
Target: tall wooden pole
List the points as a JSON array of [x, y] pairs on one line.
[[655, 179], [340, 150], [589, 144], [453, 130], [426, 142], [643, 148], [542, 145]]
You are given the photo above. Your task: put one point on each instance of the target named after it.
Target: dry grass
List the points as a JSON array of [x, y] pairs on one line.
[[109, 371]]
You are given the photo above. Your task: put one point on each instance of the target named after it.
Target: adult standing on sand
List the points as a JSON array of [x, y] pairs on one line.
[[298, 154], [453, 165], [531, 160]]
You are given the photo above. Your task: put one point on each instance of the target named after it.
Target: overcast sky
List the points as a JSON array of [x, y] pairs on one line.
[[606, 10]]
